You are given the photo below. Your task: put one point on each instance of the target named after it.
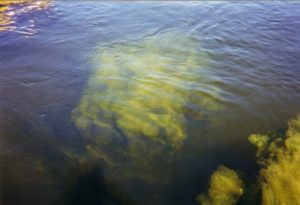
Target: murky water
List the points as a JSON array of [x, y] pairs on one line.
[[139, 102]]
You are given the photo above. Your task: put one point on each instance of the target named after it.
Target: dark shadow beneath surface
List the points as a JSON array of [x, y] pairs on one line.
[[90, 188]]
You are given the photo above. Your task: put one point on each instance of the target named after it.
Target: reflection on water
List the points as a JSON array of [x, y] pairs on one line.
[[12, 11], [135, 106]]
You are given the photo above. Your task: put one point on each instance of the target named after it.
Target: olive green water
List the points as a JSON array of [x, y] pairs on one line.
[[139, 103]]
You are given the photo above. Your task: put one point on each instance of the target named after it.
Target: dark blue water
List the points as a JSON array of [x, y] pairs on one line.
[[138, 102]]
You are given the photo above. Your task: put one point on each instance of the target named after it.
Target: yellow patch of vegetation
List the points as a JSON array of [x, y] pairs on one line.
[[140, 94], [225, 188], [280, 176], [260, 141]]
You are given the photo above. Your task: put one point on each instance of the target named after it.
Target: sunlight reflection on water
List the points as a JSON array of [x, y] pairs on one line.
[[12, 12]]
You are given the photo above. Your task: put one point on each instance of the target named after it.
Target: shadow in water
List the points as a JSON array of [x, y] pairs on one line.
[[88, 187]]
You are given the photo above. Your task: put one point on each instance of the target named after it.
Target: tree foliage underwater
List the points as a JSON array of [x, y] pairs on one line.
[[279, 176]]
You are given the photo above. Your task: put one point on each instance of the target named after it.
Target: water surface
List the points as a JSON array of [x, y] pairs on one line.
[[138, 102]]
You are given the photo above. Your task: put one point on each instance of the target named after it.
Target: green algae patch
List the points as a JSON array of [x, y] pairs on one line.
[[280, 176], [134, 108], [260, 141], [225, 188]]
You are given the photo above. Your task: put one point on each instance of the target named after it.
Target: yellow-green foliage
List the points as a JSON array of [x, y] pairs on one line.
[[280, 179], [279, 176], [140, 95], [260, 141], [225, 188]]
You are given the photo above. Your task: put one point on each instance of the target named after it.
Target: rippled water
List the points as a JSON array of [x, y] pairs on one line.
[[138, 102]]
